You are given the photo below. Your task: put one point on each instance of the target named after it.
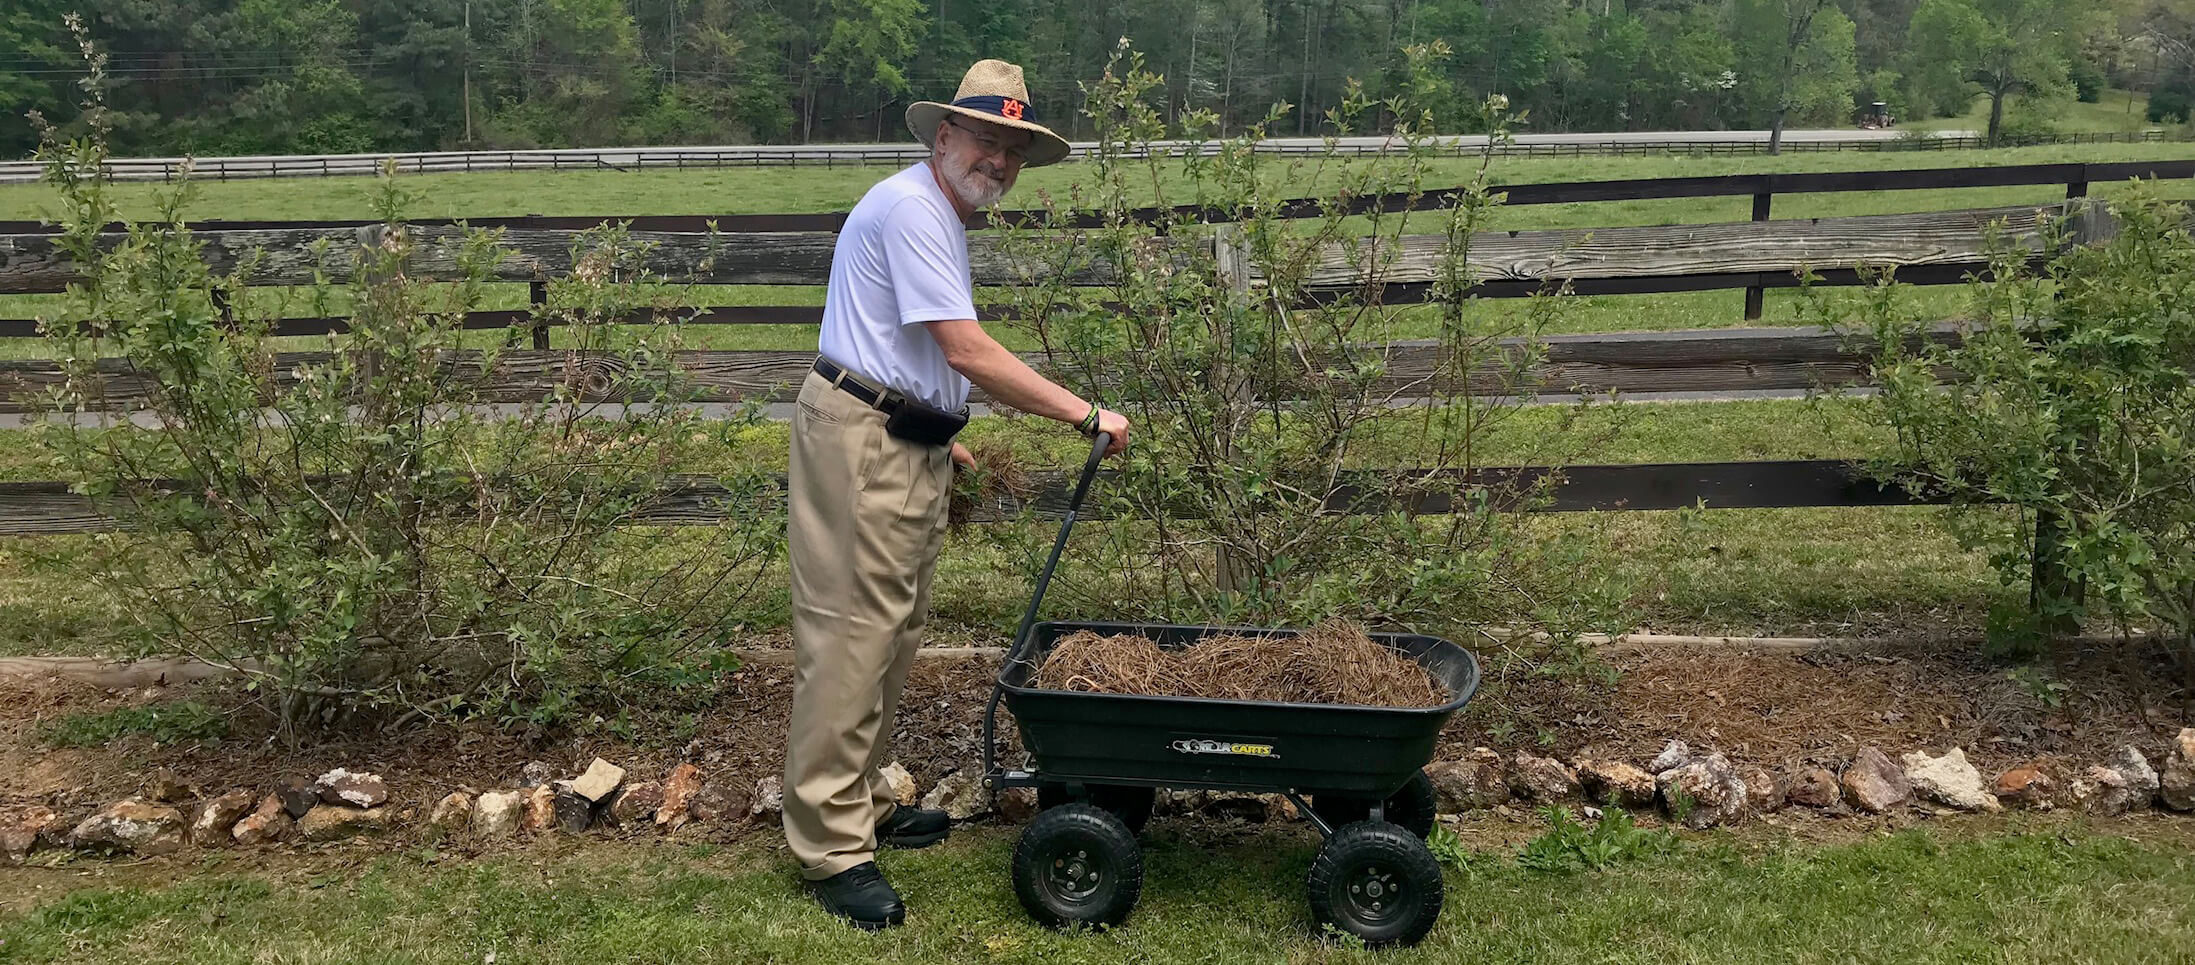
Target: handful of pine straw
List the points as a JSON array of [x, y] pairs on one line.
[[1335, 662]]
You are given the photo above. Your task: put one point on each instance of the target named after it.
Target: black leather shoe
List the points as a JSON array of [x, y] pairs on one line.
[[861, 895], [913, 827]]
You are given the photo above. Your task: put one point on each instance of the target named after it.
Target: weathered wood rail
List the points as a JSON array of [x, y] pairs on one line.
[[1935, 247], [1930, 248], [1706, 360], [1680, 253], [50, 509], [781, 259]]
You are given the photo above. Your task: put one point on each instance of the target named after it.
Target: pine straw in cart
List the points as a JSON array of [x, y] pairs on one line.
[[1333, 663]]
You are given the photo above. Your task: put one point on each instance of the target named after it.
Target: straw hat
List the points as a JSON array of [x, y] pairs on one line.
[[992, 91]]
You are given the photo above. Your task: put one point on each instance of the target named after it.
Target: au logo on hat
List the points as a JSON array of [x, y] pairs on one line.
[[1010, 108]]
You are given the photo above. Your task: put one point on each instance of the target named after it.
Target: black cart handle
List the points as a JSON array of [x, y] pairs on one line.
[[1022, 636], [1098, 446]]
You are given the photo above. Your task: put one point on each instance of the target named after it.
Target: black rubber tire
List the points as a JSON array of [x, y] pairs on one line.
[[1378, 882], [1077, 864], [1131, 804], [1413, 806]]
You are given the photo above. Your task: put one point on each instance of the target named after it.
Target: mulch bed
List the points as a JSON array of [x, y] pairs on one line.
[[1785, 709], [1777, 710]]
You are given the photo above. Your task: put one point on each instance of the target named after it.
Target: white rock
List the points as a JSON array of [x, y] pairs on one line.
[[769, 799], [1704, 792], [2177, 784], [2126, 784], [1674, 754], [600, 779], [497, 814], [1949, 780], [957, 796], [452, 813], [904, 789], [135, 826]]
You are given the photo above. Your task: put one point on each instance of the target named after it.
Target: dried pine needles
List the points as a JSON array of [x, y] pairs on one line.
[[1332, 663]]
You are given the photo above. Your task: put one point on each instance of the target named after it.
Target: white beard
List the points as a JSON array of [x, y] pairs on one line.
[[975, 190]]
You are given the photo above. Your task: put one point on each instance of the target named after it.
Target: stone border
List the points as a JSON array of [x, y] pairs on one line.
[[1695, 790], [1692, 789]]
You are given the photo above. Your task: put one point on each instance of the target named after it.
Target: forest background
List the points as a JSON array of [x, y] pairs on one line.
[[215, 77]]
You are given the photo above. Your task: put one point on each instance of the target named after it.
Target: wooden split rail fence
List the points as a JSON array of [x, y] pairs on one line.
[[844, 155], [1924, 248]]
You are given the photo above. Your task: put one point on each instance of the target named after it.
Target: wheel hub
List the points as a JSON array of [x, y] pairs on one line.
[[1074, 876], [1374, 892]]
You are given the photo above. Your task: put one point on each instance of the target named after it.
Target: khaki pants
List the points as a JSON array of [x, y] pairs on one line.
[[867, 518]]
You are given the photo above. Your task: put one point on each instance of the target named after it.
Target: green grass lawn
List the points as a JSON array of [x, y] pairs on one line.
[[2029, 892], [2114, 111], [816, 189]]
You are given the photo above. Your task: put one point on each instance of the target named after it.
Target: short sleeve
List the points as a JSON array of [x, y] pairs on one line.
[[928, 259]]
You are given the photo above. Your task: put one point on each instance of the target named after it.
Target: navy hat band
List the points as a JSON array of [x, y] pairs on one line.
[[1009, 107]]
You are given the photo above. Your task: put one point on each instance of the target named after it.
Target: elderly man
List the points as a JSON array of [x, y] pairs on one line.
[[871, 472]]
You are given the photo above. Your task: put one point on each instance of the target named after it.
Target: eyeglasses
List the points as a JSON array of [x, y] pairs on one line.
[[989, 144]]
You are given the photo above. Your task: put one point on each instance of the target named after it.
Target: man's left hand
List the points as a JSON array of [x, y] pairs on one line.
[[963, 458]]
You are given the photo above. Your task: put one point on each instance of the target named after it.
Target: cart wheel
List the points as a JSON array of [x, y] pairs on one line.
[[1413, 806], [1077, 865], [1378, 882], [1131, 804]]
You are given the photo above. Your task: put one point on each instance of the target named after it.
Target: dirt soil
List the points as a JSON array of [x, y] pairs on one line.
[[1776, 710]]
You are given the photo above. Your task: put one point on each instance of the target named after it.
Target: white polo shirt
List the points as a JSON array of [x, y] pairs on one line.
[[901, 260]]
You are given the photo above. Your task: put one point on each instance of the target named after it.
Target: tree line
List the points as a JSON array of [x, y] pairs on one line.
[[329, 76]]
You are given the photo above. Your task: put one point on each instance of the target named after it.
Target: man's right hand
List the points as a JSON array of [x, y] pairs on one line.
[[1116, 425]]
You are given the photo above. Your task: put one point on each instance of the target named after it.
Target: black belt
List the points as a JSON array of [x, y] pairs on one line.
[[882, 400], [905, 418]]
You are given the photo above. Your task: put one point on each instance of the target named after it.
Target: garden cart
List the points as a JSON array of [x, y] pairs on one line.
[[1097, 761]]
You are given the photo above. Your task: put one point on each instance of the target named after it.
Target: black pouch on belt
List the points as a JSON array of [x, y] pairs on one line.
[[921, 422]]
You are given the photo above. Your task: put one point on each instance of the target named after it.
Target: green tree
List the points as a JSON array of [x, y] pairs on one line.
[[1995, 47], [1693, 70], [32, 46], [579, 73], [1798, 59], [867, 47], [416, 56], [314, 105]]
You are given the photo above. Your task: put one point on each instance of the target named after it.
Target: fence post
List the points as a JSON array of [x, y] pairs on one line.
[[537, 295], [1755, 294], [1232, 573]]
